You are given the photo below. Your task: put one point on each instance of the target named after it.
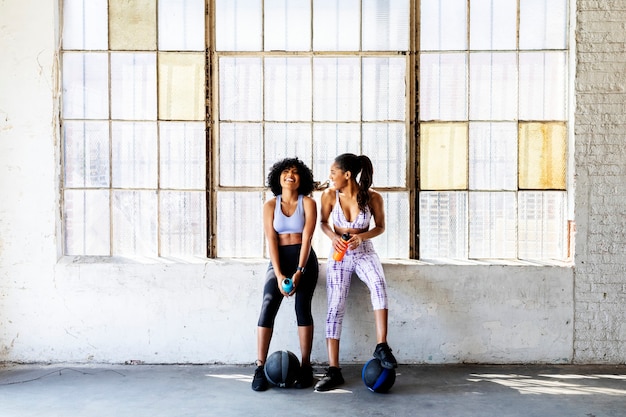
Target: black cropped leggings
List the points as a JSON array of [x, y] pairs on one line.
[[272, 297]]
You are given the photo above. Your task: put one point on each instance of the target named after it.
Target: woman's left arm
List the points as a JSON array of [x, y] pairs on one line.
[[377, 208], [310, 221]]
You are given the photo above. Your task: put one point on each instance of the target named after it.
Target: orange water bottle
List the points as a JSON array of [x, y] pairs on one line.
[[338, 256]]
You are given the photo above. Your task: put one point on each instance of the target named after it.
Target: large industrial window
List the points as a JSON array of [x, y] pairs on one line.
[[493, 98], [134, 128], [173, 111]]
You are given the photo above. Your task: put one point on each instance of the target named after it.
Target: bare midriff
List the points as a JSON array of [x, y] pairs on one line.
[[289, 239]]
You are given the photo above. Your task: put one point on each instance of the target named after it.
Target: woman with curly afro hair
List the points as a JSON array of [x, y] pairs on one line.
[[289, 220]]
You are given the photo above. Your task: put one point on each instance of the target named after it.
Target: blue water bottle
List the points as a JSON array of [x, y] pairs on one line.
[[287, 285]]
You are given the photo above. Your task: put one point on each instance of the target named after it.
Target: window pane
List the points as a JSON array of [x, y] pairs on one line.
[[336, 25], [240, 224], [493, 24], [85, 24], [85, 86], [443, 87], [493, 156], [86, 154], [87, 226], [286, 140], [181, 86], [443, 156], [493, 86], [443, 225], [542, 225], [240, 88], [542, 156], [394, 243], [241, 147], [384, 88], [385, 144], [543, 85], [181, 25], [182, 154], [385, 25], [336, 89], [287, 25], [134, 223], [183, 224], [134, 154], [543, 24], [330, 140], [132, 25], [492, 225], [443, 25], [288, 89], [238, 26], [133, 86]]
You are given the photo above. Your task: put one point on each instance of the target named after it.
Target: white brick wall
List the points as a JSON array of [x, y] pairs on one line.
[[600, 153]]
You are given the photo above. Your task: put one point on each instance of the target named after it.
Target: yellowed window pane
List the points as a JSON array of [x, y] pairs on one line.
[[181, 86], [132, 25], [542, 156], [443, 156]]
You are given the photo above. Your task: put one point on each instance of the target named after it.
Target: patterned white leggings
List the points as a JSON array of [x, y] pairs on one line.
[[365, 262]]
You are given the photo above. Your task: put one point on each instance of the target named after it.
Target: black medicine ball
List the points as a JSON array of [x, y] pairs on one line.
[[281, 368], [376, 378]]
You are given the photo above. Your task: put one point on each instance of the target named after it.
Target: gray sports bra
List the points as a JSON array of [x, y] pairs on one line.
[[291, 224]]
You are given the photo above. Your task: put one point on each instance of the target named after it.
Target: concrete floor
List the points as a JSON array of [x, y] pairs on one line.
[[220, 390]]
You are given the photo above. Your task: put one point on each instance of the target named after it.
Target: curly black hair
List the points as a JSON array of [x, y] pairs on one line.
[[307, 184]]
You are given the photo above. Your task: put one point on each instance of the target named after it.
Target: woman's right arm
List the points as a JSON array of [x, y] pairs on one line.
[[325, 210], [328, 201], [272, 239]]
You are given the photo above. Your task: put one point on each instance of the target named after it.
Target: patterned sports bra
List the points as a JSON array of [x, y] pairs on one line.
[[338, 217]]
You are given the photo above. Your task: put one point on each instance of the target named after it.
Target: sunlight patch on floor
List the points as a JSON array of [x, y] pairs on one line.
[[552, 384], [237, 377]]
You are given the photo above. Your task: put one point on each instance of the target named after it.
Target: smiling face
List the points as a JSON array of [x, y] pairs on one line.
[[290, 178], [338, 177]]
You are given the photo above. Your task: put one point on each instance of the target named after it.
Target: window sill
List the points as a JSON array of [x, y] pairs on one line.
[[122, 260]]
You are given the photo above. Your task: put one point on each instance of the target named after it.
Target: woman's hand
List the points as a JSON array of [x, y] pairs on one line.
[[280, 280], [294, 281], [354, 242], [339, 244]]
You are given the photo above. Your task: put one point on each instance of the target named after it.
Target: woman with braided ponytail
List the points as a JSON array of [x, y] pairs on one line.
[[350, 205]]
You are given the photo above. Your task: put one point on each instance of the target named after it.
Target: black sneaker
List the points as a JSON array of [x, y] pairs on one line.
[[259, 382], [384, 355], [331, 379], [305, 377]]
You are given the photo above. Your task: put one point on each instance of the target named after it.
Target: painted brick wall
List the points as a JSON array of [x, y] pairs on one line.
[[600, 129]]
